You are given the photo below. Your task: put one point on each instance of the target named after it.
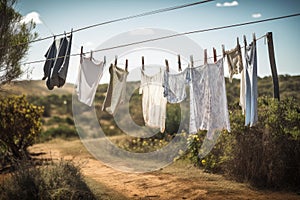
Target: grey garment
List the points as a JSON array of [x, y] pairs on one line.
[[251, 85], [175, 86], [57, 62], [116, 89]]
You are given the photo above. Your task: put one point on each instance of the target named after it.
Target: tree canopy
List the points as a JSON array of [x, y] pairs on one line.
[[14, 41]]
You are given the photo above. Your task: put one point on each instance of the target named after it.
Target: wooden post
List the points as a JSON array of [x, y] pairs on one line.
[[273, 65]]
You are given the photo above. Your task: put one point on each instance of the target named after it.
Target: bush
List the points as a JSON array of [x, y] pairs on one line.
[[61, 131], [62, 180], [265, 155], [268, 154], [20, 124]]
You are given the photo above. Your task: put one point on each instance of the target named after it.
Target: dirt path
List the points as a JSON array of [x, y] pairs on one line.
[[177, 181]]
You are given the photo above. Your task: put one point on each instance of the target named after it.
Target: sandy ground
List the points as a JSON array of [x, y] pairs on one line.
[[178, 181]]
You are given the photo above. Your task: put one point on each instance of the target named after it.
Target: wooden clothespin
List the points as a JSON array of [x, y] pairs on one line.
[[81, 54], [179, 63], [238, 43], [223, 50], [192, 61], [126, 65], [254, 37], [91, 58], [71, 33], [205, 56], [167, 65], [116, 60], [215, 54], [143, 63], [245, 41], [104, 60]]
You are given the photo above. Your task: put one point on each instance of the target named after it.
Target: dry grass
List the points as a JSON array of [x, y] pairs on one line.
[[34, 87]]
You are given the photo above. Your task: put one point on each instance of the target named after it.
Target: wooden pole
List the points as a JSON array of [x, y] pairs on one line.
[[273, 65]]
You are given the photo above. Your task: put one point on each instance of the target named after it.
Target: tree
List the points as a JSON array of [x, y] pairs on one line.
[[20, 124], [14, 41]]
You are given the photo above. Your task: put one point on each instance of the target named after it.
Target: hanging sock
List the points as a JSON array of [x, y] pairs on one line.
[[251, 116], [89, 75], [153, 101], [57, 62], [116, 91]]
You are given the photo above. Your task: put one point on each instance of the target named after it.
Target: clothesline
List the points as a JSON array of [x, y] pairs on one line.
[[220, 55], [162, 10], [180, 34], [78, 54]]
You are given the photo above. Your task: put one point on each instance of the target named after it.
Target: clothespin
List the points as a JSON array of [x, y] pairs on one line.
[[91, 58], [116, 60], [104, 60], [238, 43], [179, 63], [192, 61], [254, 38], [245, 41], [81, 54], [70, 33], [223, 50], [126, 65], [205, 56], [215, 54], [167, 65], [143, 63]]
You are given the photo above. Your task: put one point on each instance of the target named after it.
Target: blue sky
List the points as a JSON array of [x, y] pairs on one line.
[[59, 16]]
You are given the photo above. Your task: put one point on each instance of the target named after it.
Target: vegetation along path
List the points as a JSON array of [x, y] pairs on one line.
[[177, 181]]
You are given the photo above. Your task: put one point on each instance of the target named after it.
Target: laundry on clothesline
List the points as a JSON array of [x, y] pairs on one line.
[[234, 60], [208, 101], [208, 109], [175, 86], [57, 62], [154, 103], [116, 91], [250, 81], [89, 75]]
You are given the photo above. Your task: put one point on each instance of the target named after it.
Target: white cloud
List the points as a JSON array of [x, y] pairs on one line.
[[227, 4], [256, 15], [34, 16]]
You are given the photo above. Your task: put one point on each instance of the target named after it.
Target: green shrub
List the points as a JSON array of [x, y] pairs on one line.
[[265, 155], [62, 180], [61, 131], [20, 124]]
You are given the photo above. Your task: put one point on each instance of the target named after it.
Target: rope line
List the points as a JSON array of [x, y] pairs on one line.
[[180, 34], [117, 20]]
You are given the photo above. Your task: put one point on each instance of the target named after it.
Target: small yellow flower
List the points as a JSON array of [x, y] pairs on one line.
[[203, 162]]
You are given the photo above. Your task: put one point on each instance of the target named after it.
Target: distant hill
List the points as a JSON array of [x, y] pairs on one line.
[[34, 88], [289, 87]]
